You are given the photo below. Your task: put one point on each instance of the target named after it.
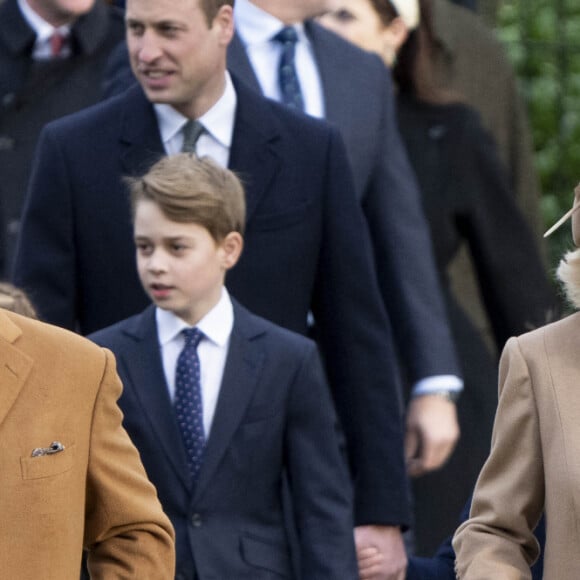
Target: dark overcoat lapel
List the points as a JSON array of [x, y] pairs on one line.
[[139, 139], [254, 154]]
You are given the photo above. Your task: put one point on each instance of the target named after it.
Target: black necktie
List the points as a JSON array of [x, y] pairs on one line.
[[188, 401], [287, 77]]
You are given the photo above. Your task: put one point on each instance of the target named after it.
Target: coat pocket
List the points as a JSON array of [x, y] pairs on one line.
[[266, 555], [47, 465]]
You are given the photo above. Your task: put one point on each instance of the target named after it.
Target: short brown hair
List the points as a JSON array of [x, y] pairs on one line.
[[189, 189], [211, 8]]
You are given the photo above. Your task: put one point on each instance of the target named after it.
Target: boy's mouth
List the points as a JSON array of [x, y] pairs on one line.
[[160, 290]]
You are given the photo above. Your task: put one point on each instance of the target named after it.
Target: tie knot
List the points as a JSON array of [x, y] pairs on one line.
[[192, 336], [192, 131], [57, 43], [287, 35]]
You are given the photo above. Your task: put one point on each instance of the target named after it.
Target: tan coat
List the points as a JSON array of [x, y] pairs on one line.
[[58, 387], [535, 455]]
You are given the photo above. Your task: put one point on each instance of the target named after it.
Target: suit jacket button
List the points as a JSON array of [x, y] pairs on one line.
[[6, 143], [196, 520]]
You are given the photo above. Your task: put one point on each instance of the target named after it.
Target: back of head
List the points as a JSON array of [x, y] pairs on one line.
[[188, 189], [15, 300]]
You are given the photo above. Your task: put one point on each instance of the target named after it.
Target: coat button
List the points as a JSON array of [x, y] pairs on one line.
[[196, 520], [6, 143]]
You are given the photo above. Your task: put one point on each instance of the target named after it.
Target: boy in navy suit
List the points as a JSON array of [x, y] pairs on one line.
[[224, 405]]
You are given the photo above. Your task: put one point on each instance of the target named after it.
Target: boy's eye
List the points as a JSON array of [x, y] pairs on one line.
[[143, 247]]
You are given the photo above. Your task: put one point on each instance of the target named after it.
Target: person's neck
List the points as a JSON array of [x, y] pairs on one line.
[[283, 10], [203, 103]]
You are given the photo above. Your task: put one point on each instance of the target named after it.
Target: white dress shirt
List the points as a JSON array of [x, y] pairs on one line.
[[44, 31], [216, 326], [216, 141], [256, 29]]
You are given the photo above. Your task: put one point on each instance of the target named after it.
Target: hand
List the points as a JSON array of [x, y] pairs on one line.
[[380, 552], [432, 432]]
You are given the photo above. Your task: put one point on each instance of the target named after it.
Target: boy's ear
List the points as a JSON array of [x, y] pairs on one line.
[[232, 246]]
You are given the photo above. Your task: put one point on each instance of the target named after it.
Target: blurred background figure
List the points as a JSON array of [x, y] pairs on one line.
[[467, 199], [15, 300], [472, 62], [52, 56]]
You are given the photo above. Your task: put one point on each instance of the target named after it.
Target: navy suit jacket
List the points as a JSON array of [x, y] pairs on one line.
[[359, 100], [306, 248], [274, 413]]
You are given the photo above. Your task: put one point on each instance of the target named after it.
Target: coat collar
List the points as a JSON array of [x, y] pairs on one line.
[[15, 365], [253, 156], [140, 140]]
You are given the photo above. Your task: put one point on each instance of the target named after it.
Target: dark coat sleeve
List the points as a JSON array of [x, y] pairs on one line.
[[513, 283], [363, 370]]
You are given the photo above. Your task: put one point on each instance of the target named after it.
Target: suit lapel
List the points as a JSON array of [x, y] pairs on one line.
[[335, 84], [15, 366], [142, 359], [239, 64], [241, 374], [140, 141], [254, 155]]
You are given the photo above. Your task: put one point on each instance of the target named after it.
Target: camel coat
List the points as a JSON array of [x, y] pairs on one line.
[[59, 389], [534, 464]]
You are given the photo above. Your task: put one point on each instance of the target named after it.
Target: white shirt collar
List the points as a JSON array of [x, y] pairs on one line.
[[256, 26], [218, 121], [41, 27], [216, 325]]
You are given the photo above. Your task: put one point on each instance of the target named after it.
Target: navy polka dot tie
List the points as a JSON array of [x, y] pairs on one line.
[[287, 76], [188, 401]]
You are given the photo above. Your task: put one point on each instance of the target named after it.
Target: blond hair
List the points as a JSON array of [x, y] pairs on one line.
[[188, 189], [13, 299]]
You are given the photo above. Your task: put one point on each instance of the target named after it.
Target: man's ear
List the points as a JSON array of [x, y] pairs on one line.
[[395, 35], [232, 246], [224, 23]]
